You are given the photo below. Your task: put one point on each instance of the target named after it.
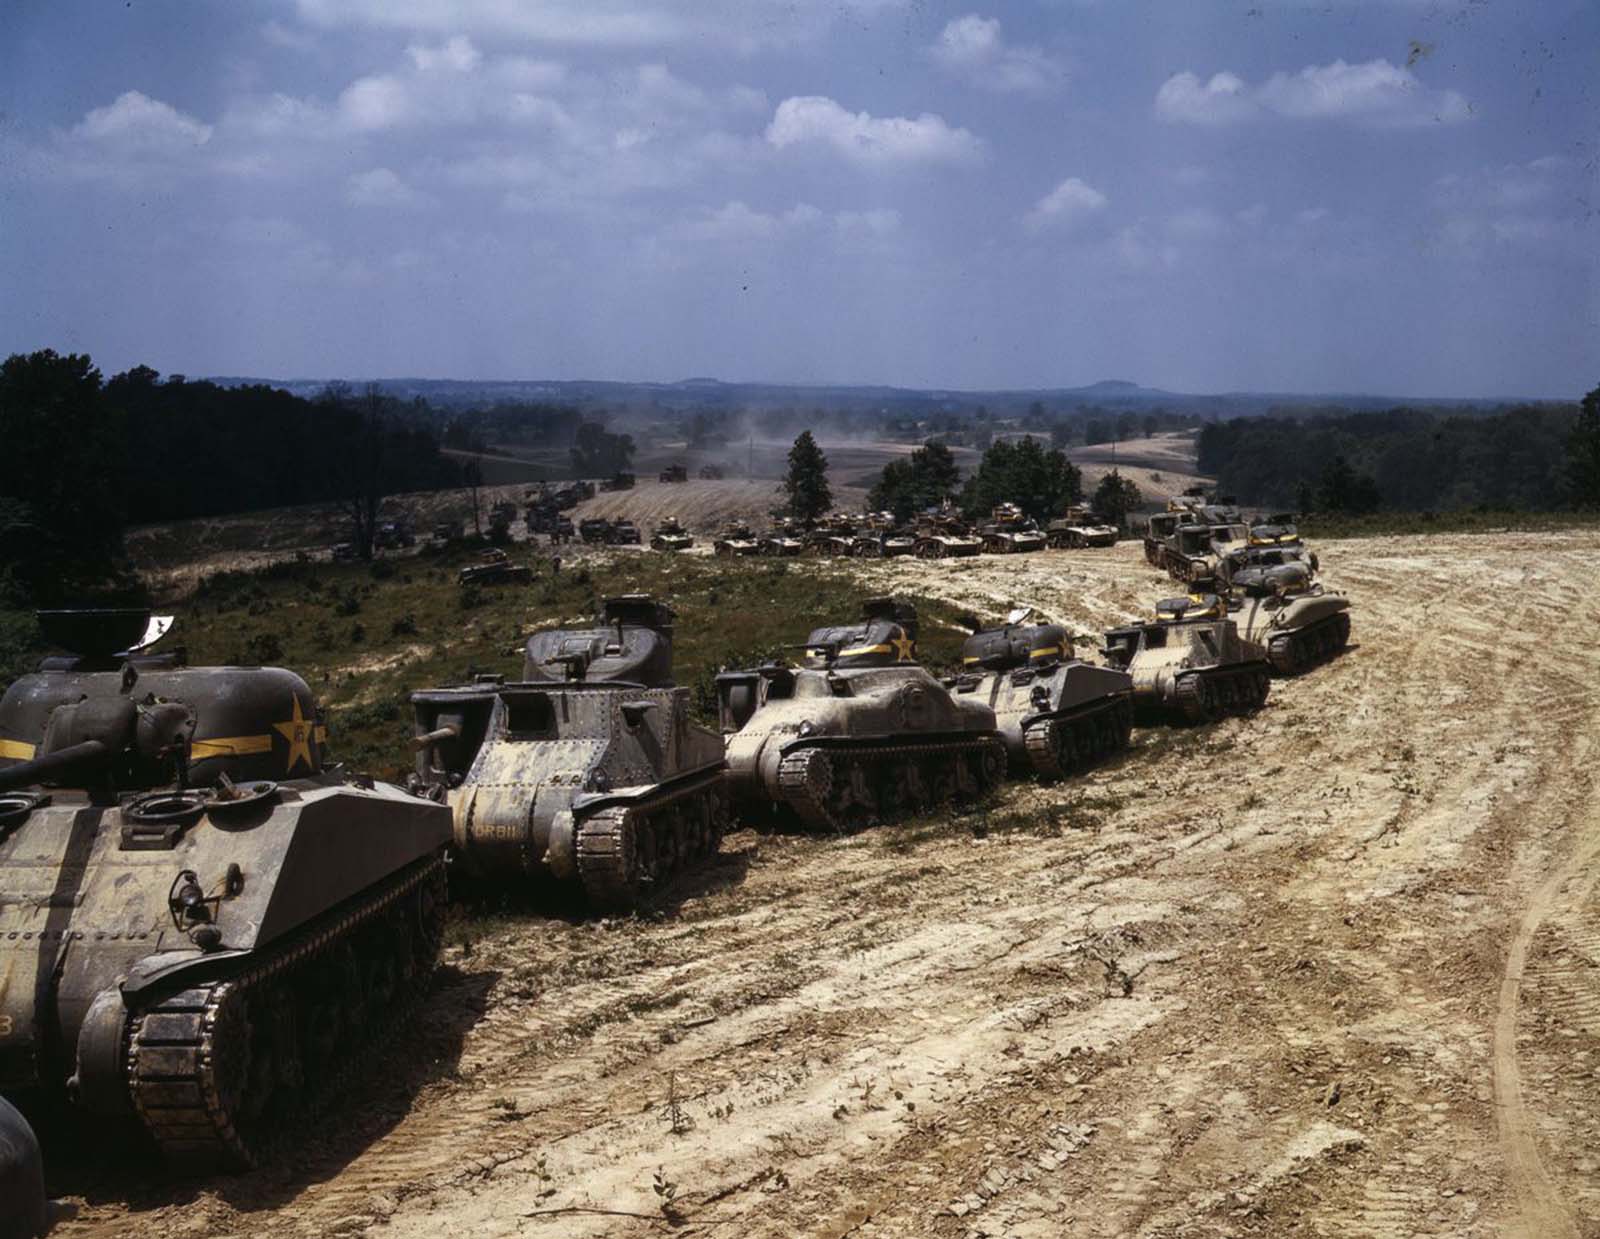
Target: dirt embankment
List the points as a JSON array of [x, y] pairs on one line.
[[1331, 971]]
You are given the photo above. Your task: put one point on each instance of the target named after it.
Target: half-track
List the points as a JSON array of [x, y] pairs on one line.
[[587, 769], [1190, 663], [1056, 713], [858, 732], [670, 535], [204, 924]]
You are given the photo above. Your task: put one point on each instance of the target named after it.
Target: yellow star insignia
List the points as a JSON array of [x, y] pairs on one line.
[[299, 731], [905, 649]]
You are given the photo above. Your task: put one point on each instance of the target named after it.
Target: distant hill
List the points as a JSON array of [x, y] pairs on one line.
[[712, 393]]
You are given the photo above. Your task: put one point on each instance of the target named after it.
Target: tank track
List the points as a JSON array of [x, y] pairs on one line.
[[1059, 746], [195, 1074], [624, 849], [1214, 693], [1293, 652], [817, 784]]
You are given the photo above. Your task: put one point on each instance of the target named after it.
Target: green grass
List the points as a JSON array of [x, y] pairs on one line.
[[1388, 524], [365, 636]]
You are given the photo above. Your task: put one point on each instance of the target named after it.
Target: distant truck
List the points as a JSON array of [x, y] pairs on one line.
[[674, 473]]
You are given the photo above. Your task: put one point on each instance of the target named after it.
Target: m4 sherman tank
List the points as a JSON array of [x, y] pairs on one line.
[[671, 536], [203, 924], [943, 535], [1078, 528], [1190, 663], [588, 768], [1011, 531], [1057, 714], [736, 539], [858, 732], [1297, 622]]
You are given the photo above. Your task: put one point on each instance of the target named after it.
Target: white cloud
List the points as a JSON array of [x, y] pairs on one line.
[[456, 55], [1068, 203], [871, 140], [1374, 93], [973, 48], [1134, 249], [136, 120], [1195, 224], [876, 224], [737, 222], [1541, 202], [381, 187]]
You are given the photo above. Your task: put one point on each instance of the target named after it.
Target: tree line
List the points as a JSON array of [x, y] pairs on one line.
[[1533, 458]]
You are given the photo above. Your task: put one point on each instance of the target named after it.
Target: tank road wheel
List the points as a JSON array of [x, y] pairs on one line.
[[608, 858], [1043, 742], [806, 783]]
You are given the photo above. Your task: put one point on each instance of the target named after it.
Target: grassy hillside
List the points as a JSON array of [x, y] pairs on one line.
[[363, 637]]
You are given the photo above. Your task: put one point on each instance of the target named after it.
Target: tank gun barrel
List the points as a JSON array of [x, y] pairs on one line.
[[437, 736], [38, 769]]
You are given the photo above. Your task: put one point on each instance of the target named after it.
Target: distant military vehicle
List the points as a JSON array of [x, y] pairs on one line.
[[1242, 558], [588, 769], [594, 529], [1159, 533], [1011, 531], [671, 536], [1195, 551], [1077, 528], [344, 553], [494, 567], [394, 535], [880, 536], [500, 518], [1297, 622], [213, 923], [623, 533], [782, 540], [618, 481], [858, 732], [1190, 663], [944, 535], [675, 473], [736, 539], [1057, 713], [832, 535], [711, 473], [448, 531]]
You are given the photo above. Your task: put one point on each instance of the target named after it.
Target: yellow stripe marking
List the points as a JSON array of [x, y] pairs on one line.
[[230, 746], [1045, 651], [867, 649], [19, 749]]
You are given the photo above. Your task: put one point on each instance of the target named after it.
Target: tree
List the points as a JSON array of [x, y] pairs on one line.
[[1098, 430], [922, 480], [362, 461], [1583, 453], [64, 488], [1115, 497], [596, 452], [1038, 480], [807, 483], [1342, 489]]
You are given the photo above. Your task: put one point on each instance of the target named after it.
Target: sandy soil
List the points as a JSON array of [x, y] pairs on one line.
[[1330, 971]]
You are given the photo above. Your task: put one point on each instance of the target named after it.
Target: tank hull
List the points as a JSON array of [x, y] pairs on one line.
[[1298, 632], [94, 921], [841, 748], [1058, 720]]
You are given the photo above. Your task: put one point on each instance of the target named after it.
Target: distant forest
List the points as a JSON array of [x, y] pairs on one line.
[[1526, 457]]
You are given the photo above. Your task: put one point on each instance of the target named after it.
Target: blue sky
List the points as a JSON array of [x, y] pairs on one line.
[[1391, 196]]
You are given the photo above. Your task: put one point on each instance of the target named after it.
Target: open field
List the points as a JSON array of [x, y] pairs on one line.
[[1330, 971]]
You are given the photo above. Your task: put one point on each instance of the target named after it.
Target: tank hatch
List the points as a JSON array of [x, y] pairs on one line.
[[886, 636], [1016, 645], [1193, 607]]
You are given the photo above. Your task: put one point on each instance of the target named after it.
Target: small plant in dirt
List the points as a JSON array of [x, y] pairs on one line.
[[403, 626], [678, 1120], [666, 1194]]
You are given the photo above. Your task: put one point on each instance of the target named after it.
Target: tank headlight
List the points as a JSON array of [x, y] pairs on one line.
[[806, 727]]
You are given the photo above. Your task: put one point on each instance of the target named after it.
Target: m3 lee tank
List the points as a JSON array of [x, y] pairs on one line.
[[588, 768], [203, 924], [1056, 713], [860, 731], [1190, 663]]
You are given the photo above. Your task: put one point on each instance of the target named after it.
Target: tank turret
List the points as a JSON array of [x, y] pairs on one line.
[[1056, 713], [588, 768], [858, 732], [210, 908]]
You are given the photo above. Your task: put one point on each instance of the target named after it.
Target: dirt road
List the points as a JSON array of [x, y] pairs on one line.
[[1331, 971]]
